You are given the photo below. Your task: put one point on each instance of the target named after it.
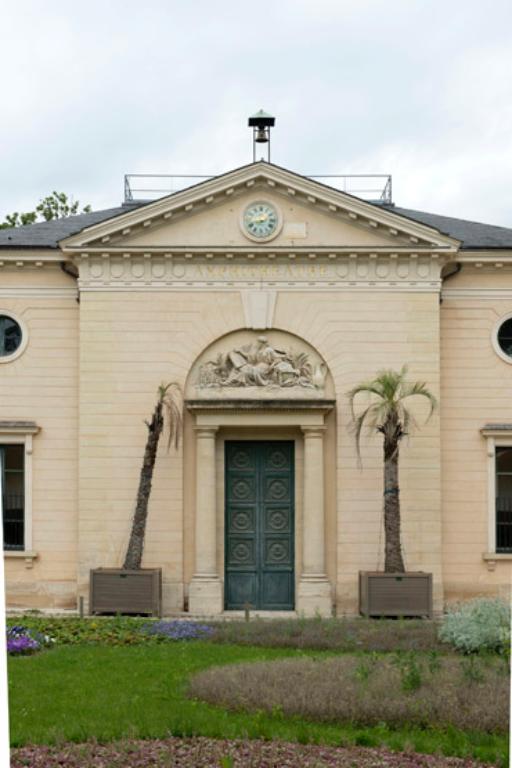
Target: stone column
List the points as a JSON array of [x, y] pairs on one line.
[[314, 593], [205, 594]]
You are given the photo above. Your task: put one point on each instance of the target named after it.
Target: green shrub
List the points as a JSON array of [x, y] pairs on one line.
[[482, 624]]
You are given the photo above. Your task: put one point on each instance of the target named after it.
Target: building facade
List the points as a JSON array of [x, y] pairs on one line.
[[267, 296]]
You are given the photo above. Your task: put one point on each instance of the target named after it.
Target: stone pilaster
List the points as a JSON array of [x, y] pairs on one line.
[[314, 593], [205, 594]]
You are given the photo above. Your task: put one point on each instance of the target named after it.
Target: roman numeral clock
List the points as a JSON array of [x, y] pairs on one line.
[[261, 221]]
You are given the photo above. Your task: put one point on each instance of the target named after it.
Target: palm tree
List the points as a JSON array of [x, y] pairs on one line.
[[167, 408], [388, 414]]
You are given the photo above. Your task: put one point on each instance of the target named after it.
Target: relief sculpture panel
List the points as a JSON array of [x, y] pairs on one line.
[[266, 366]]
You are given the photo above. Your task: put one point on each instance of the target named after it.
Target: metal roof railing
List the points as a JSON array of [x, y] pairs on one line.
[[144, 187]]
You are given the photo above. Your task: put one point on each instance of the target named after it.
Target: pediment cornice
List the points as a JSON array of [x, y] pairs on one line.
[[399, 231]]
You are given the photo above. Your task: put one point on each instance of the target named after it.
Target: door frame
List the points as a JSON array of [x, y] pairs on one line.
[[253, 420], [263, 440]]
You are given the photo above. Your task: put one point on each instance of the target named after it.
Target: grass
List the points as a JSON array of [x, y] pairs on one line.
[[79, 692]]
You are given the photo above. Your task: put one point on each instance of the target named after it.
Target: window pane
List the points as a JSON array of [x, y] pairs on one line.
[[13, 456], [10, 335], [505, 337], [503, 524], [13, 495], [504, 460], [504, 486]]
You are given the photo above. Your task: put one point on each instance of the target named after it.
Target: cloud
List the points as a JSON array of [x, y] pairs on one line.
[[413, 88]]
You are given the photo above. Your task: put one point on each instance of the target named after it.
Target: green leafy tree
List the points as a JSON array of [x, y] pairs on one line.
[[18, 219], [387, 413], [167, 408], [54, 206]]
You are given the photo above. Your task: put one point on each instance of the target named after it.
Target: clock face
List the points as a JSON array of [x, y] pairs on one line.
[[261, 220]]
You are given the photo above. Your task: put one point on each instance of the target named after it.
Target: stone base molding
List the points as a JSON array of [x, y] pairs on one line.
[[314, 596], [205, 596]]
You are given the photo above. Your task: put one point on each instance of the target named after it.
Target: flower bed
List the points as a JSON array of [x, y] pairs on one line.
[[471, 694], [178, 630], [23, 642], [213, 753], [338, 634]]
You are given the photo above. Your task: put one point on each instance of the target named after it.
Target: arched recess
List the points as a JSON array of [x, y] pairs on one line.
[[259, 390]]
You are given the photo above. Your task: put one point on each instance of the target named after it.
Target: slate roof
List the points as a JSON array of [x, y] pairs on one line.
[[473, 234], [47, 234]]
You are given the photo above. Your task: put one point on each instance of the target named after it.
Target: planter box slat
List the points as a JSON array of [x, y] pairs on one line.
[[395, 594], [114, 590]]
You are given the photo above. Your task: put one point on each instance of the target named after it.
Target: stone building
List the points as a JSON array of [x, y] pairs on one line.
[[266, 295]]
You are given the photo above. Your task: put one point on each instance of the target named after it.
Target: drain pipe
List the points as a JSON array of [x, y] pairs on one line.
[[72, 271], [455, 271]]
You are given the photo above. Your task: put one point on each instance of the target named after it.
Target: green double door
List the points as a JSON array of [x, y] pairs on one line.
[[259, 546]]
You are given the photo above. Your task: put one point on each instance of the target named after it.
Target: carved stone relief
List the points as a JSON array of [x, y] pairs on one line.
[[260, 367]]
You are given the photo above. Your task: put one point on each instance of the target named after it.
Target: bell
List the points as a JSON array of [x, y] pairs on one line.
[[261, 123]]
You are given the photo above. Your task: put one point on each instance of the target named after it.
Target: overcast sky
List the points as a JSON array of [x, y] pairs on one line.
[[421, 89]]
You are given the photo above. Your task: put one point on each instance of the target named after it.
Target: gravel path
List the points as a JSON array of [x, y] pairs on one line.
[[211, 753]]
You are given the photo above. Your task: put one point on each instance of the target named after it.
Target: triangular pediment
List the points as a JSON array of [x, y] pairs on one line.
[[210, 216]]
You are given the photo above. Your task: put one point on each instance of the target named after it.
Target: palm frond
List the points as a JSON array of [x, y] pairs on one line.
[[419, 388], [172, 401], [358, 423], [389, 390], [368, 387]]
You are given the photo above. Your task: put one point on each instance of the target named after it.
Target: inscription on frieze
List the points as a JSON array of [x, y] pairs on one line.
[[161, 270]]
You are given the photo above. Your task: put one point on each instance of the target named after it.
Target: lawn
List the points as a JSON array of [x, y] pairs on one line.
[[82, 690]]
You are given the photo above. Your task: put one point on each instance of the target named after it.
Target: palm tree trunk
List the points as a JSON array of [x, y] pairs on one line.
[[135, 547], [393, 560]]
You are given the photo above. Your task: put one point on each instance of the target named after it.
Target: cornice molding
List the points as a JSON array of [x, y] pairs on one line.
[[485, 256], [30, 254], [38, 292], [487, 294]]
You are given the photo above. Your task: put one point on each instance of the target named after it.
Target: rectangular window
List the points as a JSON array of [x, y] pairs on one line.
[[504, 499], [12, 490]]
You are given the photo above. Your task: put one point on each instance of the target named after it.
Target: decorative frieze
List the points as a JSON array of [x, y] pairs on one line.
[[163, 271]]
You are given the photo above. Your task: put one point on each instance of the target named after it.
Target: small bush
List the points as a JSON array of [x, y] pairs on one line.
[[482, 624], [410, 671]]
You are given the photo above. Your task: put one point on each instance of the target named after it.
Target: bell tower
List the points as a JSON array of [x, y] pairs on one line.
[[261, 123]]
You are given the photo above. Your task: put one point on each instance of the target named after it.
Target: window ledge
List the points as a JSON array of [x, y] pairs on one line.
[[16, 554], [491, 558]]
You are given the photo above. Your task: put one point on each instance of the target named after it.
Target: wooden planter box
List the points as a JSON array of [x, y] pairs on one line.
[[395, 594], [114, 590]]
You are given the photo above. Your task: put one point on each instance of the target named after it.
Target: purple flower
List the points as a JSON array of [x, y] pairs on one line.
[[178, 630], [23, 641], [22, 644]]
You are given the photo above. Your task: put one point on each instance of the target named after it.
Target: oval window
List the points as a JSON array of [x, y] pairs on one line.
[[504, 338], [11, 336]]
